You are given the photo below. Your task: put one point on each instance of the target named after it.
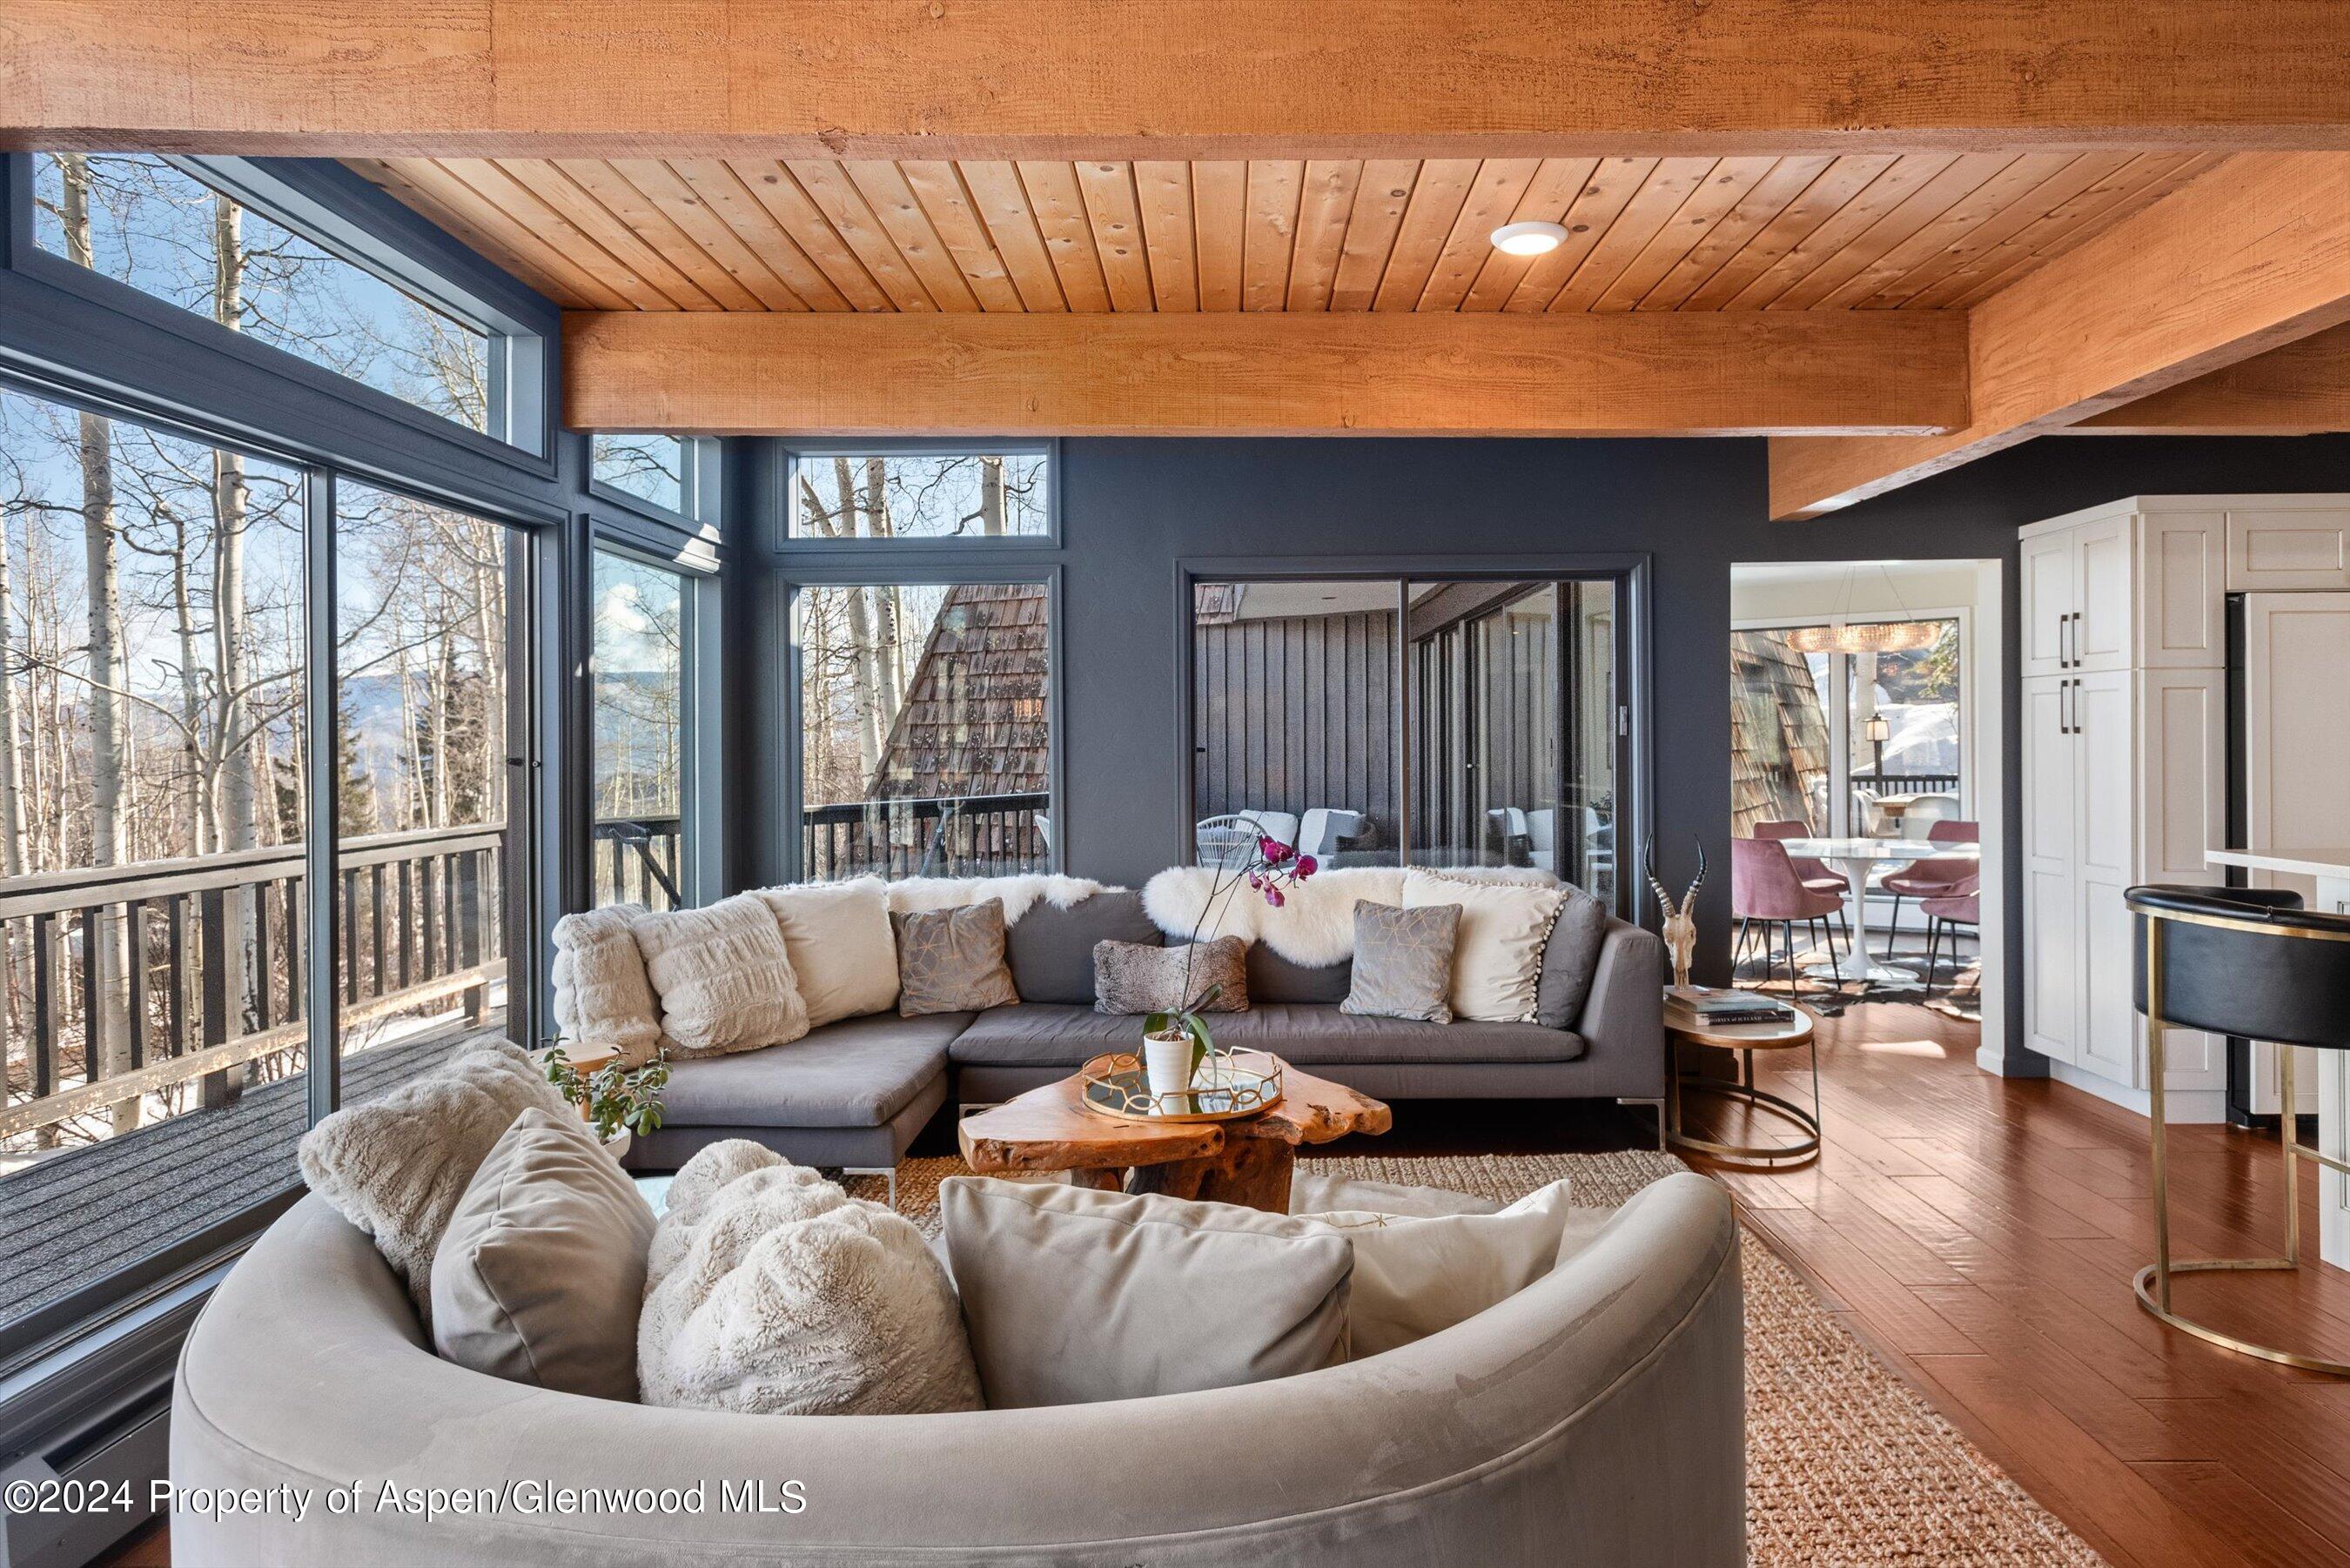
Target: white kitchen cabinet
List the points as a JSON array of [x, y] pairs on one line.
[[2125, 740], [2292, 544], [2138, 583]]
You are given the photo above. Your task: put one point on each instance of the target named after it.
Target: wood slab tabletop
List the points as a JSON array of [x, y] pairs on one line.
[[1048, 1129]]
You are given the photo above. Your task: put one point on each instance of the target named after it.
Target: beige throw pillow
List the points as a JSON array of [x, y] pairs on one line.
[[951, 961], [396, 1166], [770, 1290], [1497, 961], [1135, 977], [601, 996], [1403, 962], [724, 977], [1073, 1295], [1417, 1275], [843, 954], [541, 1271]]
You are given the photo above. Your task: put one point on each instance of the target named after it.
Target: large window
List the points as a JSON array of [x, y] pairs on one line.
[[424, 649], [925, 731], [1846, 738], [1433, 722], [938, 497], [642, 712], [151, 223], [151, 838], [655, 468]]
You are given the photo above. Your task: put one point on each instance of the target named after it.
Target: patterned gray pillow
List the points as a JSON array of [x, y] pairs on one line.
[[1130, 978], [951, 961], [1403, 962]]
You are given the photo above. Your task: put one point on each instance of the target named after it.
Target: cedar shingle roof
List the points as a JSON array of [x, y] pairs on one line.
[[1779, 745], [974, 720]]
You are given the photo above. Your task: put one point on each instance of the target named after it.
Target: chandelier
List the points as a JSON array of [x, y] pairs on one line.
[[1865, 637], [1895, 636]]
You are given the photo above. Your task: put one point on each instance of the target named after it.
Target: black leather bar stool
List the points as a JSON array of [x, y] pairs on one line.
[[2246, 962]]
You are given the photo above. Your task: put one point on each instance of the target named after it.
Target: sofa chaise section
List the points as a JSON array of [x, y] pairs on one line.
[[851, 1093]]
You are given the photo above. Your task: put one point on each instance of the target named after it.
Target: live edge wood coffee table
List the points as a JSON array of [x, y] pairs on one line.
[[1246, 1161]]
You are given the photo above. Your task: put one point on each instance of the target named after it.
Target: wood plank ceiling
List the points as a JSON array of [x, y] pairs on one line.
[[1863, 231]]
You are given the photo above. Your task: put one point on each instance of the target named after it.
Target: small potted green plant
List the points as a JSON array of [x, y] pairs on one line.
[[619, 1101]]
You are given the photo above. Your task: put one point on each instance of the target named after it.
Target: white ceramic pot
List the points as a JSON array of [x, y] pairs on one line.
[[616, 1145], [1167, 1064]]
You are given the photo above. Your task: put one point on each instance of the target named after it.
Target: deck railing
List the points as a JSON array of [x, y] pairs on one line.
[[951, 836], [210, 962], [636, 861]]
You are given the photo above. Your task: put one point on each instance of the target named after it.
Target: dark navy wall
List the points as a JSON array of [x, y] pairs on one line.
[[1133, 509]]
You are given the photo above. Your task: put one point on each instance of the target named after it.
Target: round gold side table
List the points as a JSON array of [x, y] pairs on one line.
[[1745, 1039]]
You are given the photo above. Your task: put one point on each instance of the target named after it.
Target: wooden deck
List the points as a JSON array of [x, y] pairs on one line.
[[75, 1217]]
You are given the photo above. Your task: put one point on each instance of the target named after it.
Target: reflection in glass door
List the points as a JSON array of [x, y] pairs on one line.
[[424, 653], [1512, 720]]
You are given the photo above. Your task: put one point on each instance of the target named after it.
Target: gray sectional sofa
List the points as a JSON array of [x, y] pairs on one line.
[[855, 1093]]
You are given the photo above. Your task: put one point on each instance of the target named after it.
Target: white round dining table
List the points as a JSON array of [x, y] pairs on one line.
[[1854, 859]]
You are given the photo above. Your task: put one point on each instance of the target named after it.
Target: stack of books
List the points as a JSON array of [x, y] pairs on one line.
[[1706, 1007]]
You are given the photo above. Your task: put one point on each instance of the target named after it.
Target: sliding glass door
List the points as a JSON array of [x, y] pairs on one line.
[[1457, 721]]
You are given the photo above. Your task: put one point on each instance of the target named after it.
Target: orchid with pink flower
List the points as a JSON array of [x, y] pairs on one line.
[[1275, 866]]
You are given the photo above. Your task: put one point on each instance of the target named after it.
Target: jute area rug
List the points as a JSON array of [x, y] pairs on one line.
[[1845, 1462]]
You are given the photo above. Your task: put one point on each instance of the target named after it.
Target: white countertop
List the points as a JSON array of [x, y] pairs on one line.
[[2292, 862]]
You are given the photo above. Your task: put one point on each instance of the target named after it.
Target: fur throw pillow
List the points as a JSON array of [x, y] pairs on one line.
[[396, 1166], [770, 1290], [1130, 978], [601, 996], [723, 976]]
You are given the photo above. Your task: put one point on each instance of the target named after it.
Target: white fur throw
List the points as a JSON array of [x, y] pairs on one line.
[[1316, 924], [396, 1166], [601, 996], [770, 1290], [1018, 895]]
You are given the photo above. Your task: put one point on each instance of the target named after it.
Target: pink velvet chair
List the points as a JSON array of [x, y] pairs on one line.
[[1934, 878], [1959, 905], [1816, 874], [1766, 891]]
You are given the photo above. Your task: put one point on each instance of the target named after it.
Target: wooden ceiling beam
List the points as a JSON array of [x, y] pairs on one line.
[[1060, 79], [2253, 255], [1262, 374], [2301, 388]]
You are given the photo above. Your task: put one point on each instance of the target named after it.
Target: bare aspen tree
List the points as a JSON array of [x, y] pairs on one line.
[[105, 1036], [231, 507], [12, 766]]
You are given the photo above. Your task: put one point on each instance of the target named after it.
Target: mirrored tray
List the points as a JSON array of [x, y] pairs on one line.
[[1225, 1088]]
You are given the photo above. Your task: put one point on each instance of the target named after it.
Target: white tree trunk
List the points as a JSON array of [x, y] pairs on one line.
[[106, 1036]]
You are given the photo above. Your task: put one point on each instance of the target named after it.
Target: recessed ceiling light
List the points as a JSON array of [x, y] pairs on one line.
[[1528, 239]]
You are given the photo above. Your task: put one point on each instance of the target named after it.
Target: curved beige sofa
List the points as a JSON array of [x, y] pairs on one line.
[[1595, 1418]]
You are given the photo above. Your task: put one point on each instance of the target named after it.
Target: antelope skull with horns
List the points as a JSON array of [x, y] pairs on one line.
[[1680, 929]]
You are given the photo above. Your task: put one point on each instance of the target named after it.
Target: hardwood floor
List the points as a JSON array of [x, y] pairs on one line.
[[1979, 1234]]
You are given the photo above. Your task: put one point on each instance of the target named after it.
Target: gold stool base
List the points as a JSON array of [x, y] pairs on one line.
[[2144, 1285]]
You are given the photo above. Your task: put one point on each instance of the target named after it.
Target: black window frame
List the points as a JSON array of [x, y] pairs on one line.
[[315, 203]]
